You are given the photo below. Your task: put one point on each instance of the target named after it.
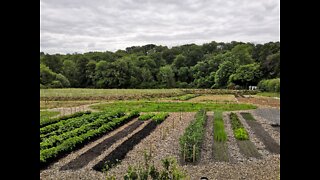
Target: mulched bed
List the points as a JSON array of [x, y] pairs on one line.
[[263, 135], [121, 151], [220, 151], [94, 152], [248, 149]]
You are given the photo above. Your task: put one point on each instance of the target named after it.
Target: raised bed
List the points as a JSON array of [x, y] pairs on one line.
[[121, 151], [246, 147], [220, 147], [261, 133], [49, 155]]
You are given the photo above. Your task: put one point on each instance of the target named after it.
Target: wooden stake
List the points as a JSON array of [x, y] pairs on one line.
[[184, 151], [194, 153]]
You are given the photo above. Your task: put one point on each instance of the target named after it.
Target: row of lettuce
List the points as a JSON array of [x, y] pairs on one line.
[[60, 136]]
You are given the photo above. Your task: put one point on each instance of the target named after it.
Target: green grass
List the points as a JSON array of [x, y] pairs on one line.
[[269, 94], [247, 116], [218, 131], [47, 114], [148, 106]]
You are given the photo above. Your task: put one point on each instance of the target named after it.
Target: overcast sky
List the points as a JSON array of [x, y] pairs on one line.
[[68, 26]]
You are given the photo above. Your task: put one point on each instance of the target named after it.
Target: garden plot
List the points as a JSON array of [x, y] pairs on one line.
[[97, 150], [259, 131], [215, 98], [220, 147], [162, 142], [261, 101], [246, 147]]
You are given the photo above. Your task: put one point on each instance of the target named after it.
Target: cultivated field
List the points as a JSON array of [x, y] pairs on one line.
[[132, 131]]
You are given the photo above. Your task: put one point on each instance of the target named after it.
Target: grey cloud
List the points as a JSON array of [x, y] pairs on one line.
[[69, 26]]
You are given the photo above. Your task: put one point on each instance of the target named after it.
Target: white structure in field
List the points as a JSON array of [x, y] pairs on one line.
[[252, 87]]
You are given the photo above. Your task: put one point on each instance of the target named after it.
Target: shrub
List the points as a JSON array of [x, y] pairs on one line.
[[270, 85]]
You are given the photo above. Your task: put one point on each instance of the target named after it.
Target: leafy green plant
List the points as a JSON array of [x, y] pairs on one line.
[[48, 121], [158, 118], [71, 142], [147, 116], [193, 137], [239, 131], [241, 134]]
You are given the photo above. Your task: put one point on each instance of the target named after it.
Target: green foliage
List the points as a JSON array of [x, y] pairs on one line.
[[170, 170], [149, 106], [147, 116], [241, 134], [246, 75], [79, 137], [270, 85], [219, 132], [160, 117], [193, 136], [47, 121], [238, 130], [222, 75], [51, 79], [152, 66]]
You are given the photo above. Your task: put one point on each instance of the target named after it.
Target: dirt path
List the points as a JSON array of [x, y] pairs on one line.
[[206, 151]]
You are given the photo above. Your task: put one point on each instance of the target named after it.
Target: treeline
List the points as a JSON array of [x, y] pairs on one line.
[[233, 65]]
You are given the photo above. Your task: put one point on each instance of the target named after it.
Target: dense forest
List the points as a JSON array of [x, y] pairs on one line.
[[233, 65]]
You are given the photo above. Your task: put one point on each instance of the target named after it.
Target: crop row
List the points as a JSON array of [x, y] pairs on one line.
[[239, 131], [70, 144], [219, 133], [73, 123], [191, 140], [58, 139], [49, 121], [146, 116]]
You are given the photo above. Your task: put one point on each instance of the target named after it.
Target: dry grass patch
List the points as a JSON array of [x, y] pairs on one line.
[[214, 98]]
